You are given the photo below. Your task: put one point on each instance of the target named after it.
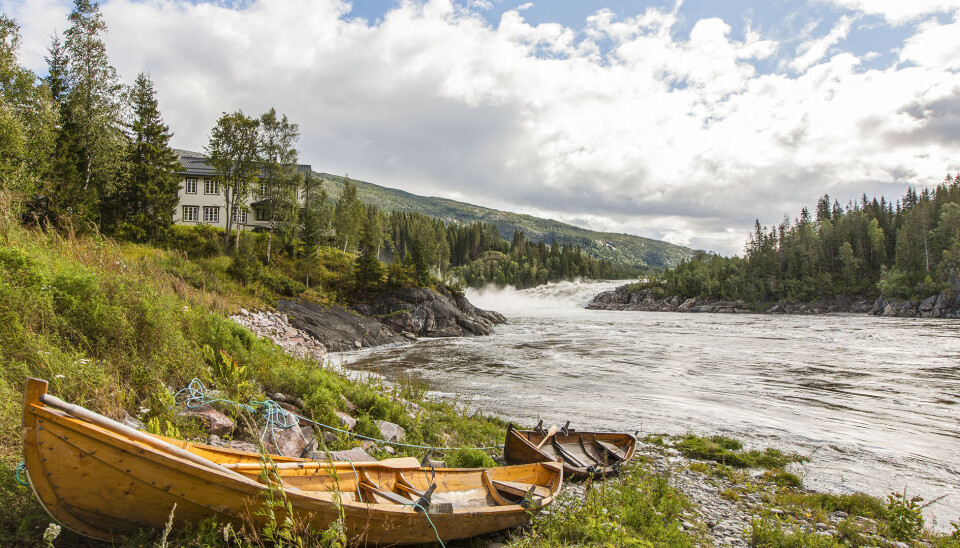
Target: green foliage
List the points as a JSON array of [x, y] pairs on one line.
[[234, 154], [468, 458], [27, 118], [769, 534], [911, 252], [729, 451], [857, 504], [904, 516], [635, 509], [163, 428]]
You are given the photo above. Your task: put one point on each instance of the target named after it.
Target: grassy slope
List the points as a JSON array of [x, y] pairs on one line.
[[613, 247]]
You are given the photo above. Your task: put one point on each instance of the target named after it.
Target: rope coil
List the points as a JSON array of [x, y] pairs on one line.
[[278, 417], [19, 472]]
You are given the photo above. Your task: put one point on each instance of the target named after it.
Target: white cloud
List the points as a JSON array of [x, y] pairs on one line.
[[812, 51], [935, 46], [898, 11], [622, 125]]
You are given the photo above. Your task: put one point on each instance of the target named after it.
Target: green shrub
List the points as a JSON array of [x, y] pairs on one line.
[[468, 458], [768, 534], [904, 516]]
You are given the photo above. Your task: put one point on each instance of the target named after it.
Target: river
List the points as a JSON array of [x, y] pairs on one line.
[[873, 401]]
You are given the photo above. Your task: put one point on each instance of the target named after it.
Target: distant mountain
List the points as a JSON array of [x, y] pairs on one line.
[[616, 248]]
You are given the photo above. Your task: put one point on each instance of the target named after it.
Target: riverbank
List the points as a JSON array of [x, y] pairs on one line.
[[629, 297]]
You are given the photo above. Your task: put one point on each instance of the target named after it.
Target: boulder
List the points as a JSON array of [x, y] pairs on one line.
[[391, 432], [289, 442], [132, 422], [353, 455], [346, 421], [687, 305], [215, 422]]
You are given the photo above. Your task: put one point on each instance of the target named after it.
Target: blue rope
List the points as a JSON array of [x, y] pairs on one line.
[[278, 417], [21, 468]]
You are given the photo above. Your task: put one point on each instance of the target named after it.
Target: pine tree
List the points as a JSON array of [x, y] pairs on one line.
[[91, 121], [147, 198], [368, 270]]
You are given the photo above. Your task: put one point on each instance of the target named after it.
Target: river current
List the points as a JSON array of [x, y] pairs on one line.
[[874, 402]]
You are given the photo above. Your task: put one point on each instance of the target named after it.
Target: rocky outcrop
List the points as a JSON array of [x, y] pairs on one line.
[[627, 298], [944, 305], [309, 329], [277, 328], [337, 328], [421, 311]]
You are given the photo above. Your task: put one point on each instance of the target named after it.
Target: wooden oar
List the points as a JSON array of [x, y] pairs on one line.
[[550, 432]]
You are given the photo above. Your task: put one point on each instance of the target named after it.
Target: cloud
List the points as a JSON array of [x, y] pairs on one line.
[[898, 11], [813, 50], [622, 124]]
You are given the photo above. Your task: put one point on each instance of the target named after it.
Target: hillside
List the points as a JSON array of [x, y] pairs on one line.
[[616, 248]]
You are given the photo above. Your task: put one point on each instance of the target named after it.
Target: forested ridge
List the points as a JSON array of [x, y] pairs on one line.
[[904, 249]]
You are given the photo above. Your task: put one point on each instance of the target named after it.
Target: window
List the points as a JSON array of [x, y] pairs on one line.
[[211, 186], [263, 190], [191, 186], [261, 214], [191, 213], [211, 214], [240, 215]]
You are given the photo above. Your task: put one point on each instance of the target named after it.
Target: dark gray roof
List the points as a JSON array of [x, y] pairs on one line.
[[195, 163]]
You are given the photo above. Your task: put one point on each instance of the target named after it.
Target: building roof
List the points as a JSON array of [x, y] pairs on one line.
[[196, 163]]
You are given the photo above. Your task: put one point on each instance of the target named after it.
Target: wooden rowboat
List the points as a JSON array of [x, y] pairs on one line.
[[584, 454], [102, 479]]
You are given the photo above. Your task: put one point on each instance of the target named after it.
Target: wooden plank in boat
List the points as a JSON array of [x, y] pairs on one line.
[[519, 489], [612, 449]]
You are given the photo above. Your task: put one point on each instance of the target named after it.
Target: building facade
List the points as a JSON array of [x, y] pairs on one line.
[[202, 199]]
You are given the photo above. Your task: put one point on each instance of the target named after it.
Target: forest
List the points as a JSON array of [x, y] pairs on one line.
[[906, 249]]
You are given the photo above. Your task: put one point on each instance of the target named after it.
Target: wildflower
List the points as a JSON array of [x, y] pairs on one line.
[[51, 534]]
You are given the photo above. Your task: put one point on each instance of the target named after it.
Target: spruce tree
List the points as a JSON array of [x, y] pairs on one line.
[[91, 143], [147, 199]]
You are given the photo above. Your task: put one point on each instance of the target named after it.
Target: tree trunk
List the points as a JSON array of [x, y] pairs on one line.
[[269, 242]]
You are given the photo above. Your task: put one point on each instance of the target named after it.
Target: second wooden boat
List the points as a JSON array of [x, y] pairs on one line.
[[102, 479], [584, 454]]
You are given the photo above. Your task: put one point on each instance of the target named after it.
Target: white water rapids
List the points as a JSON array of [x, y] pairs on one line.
[[873, 401]]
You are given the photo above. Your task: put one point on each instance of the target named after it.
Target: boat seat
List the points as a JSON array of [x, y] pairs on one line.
[[520, 489], [612, 449], [383, 493]]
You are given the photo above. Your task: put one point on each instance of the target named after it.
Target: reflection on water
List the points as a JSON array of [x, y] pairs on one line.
[[874, 398]]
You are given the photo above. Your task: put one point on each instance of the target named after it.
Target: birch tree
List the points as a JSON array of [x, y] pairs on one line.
[[234, 152]]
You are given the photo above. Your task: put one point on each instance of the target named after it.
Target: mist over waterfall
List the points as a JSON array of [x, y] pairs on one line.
[[553, 297]]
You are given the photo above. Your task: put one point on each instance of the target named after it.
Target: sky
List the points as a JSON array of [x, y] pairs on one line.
[[678, 120]]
